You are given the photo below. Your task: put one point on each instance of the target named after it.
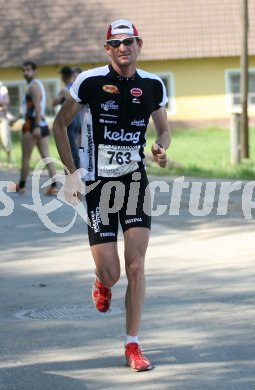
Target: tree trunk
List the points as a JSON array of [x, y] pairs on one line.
[[244, 81]]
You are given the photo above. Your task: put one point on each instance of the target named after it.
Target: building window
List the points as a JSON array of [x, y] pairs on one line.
[[17, 91], [168, 80], [233, 88]]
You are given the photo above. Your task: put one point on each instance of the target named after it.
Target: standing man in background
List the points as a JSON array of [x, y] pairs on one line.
[[35, 131], [73, 129], [117, 101], [5, 131]]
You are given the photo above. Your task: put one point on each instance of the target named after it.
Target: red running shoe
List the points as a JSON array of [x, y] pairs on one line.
[[101, 296], [135, 359]]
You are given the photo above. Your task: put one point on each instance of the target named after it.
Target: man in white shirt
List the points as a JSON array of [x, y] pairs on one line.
[[5, 132]]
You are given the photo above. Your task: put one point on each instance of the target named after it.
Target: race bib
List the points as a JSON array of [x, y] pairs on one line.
[[114, 160]]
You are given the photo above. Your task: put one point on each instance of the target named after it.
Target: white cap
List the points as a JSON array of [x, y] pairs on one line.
[[121, 26]]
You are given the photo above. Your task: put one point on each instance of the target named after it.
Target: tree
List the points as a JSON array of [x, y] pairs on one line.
[[244, 82]]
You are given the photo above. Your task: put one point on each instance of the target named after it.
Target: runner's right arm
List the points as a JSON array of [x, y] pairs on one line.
[[73, 185], [65, 116]]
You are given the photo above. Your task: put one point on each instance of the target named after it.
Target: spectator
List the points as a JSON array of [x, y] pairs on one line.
[[5, 132], [73, 129], [35, 130]]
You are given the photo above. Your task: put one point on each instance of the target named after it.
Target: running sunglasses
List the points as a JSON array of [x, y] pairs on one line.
[[117, 42]]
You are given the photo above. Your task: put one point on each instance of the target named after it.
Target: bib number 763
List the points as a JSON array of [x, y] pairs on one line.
[[117, 160], [119, 157]]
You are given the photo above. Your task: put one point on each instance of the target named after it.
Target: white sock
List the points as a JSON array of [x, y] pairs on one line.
[[131, 339]]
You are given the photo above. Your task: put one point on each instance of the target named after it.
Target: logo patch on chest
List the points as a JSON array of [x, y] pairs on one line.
[[137, 92], [111, 89], [110, 105]]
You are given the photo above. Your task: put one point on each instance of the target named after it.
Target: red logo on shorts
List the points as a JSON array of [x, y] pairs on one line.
[[136, 92]]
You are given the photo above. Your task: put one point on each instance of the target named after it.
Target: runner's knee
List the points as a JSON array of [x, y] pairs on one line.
[[135, 269], [109, 277]]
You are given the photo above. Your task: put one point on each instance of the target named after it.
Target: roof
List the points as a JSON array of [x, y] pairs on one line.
[[73, 31]]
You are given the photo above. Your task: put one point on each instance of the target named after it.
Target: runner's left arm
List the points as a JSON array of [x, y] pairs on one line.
[[163, 139]]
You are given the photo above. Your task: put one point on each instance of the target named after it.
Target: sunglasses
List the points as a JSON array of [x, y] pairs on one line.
[[126, 41]]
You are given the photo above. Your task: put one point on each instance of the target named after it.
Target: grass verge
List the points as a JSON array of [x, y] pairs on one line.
[[194, 153]]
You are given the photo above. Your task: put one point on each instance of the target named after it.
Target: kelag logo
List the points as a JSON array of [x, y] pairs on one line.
[[121, 136]]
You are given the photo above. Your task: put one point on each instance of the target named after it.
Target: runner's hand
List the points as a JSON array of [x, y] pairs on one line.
[[73, 188], [159, 155], [37, 132]]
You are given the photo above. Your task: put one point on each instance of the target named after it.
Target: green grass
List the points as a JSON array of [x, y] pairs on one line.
[[35, 158], [197, 153], [204, 153]]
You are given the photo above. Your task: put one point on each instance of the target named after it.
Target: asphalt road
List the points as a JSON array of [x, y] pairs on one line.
[[198, 325]]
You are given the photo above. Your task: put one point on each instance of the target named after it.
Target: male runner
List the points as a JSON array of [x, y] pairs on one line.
[[117, 102], [35, 130]]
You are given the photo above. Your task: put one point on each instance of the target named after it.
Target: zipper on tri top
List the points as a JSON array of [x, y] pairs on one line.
[[125, 81]]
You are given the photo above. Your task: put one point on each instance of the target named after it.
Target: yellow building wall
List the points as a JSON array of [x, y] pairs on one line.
[[200, 89], [199, 84], [45, 72]]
